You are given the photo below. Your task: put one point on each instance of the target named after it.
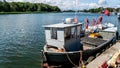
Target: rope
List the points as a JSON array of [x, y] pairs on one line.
[[83, 65], [71, 60]]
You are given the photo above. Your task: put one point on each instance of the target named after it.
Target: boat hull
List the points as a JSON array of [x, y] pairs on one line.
[[71, 58], [118, 15], [62, 58]]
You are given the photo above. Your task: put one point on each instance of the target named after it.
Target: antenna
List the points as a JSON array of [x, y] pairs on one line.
[[75, 19], [75, 8]]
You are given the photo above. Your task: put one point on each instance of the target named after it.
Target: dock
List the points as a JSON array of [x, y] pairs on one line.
[[97, 62]]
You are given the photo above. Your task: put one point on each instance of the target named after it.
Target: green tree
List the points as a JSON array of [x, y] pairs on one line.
[[26, 7], [6, 7], [1, 7]]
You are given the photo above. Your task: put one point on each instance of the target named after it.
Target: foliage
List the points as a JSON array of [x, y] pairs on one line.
[[118, 9], [26, 7], [101, 9]]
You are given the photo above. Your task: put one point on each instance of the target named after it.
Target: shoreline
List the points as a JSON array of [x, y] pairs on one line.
[[27, 12]]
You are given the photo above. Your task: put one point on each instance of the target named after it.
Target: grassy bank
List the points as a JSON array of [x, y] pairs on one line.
[[26, 12]]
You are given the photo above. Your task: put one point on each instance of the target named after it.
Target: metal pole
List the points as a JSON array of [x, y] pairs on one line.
[[75, 8]]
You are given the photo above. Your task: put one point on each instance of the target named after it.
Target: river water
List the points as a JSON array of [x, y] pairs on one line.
[[22, 36]]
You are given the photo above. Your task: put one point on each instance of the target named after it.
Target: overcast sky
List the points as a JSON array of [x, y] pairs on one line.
[[76, 4]]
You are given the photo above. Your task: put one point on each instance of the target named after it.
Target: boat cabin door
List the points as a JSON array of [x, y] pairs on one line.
[[72, 38]]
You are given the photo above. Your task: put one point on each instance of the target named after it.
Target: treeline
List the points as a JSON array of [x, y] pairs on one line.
[[95, 10], [101, 9], [27, 7]]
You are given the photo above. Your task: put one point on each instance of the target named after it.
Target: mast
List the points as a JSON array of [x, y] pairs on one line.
[[75, 8]]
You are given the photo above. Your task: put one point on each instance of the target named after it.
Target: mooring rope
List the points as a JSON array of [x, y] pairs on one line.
[[73, 62], [83, 65]]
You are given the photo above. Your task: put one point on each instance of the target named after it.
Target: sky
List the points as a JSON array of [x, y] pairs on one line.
[[75, 4]]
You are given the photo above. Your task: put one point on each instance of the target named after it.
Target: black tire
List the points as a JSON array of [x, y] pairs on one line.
[[97, 54], [90, 59]]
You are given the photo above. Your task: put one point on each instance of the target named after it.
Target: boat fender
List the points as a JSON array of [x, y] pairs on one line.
[[114, 41], [117, 35], [61, 49]]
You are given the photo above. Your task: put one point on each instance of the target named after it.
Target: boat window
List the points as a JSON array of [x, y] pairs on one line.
[[67, 33], [73, 32], [53, 33], [78, 30]]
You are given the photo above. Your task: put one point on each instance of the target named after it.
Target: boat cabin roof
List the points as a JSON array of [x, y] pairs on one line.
[[62, 25]]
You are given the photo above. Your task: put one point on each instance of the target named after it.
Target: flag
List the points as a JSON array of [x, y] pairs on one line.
[[75, 20], [107, 12], [86, 23], [99, 20]]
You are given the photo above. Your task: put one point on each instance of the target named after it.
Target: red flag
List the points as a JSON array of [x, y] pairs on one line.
[[99, 20], [107, 12], [86, 23], [75, 20]]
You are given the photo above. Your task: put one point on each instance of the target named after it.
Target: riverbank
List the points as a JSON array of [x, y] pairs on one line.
[[28, 12]]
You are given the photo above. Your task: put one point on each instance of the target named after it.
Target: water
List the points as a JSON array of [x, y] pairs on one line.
[[22, 36]]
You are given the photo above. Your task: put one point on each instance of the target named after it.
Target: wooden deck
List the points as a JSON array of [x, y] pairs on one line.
[[97, 62]]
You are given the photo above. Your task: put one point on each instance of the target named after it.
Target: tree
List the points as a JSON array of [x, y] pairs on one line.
[[6, 7], [26, 7], [1, 7]]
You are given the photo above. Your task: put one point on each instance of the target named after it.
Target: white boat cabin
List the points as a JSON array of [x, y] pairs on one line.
[[66, 34]]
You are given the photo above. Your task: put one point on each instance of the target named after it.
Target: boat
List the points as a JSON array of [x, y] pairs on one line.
[[118, 15], [96, 25], [65, 47]]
